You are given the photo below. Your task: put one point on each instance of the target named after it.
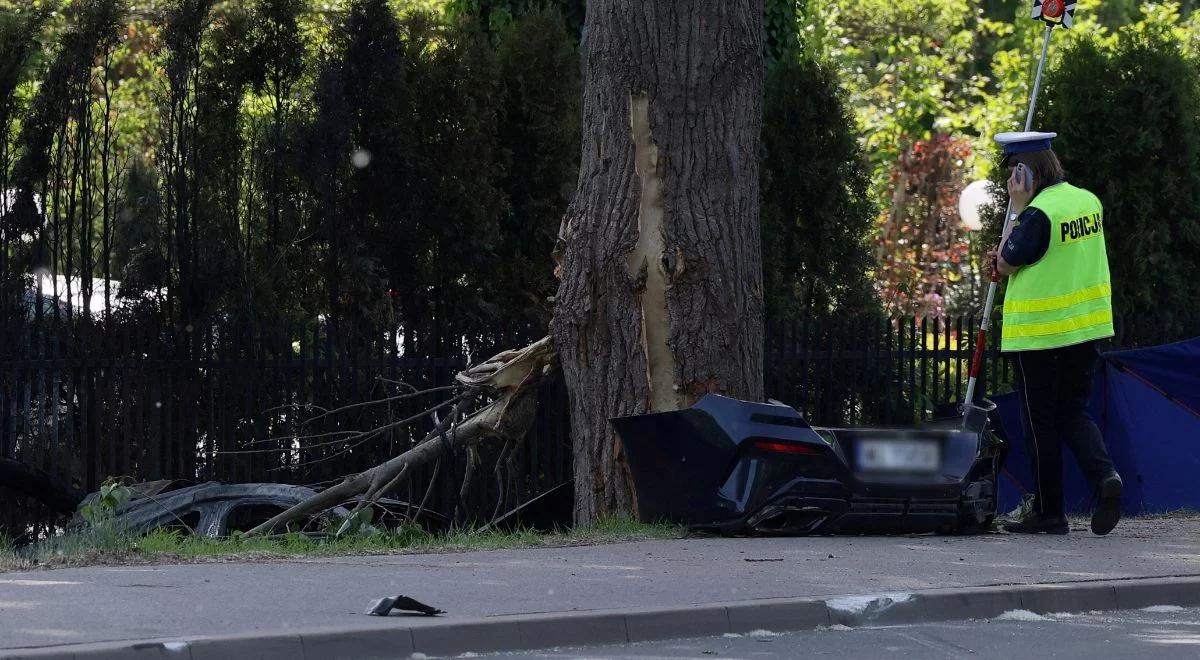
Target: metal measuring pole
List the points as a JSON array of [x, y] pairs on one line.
[[985, 325]]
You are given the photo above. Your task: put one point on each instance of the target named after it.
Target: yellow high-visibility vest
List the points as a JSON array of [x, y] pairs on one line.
[[1066, 297]]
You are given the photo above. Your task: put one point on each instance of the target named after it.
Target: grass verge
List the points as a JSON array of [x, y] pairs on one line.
[[105, 546]]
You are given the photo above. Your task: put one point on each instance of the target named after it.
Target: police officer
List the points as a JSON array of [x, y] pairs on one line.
[[1057, 307]]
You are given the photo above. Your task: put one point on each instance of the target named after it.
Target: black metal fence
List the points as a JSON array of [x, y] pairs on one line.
[[885, 371], [86, 402]]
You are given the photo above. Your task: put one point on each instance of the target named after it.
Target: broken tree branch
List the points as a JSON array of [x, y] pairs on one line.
[[391, 399], [354, 436], [520, 508], [509, 380]]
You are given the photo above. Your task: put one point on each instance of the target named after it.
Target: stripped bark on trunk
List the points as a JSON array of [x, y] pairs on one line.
[[660, 299]]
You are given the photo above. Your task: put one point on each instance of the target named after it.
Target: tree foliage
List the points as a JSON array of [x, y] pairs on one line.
[[816, 213], [442, 164], [394, 172], [94, 27], [1128, 116], [539, 142], [404, 164], [498, 16], [919, 69], [282, 159], [921, 251]]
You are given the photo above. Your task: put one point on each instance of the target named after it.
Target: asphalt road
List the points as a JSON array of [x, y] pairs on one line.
[[41, 608], [1157, 633]]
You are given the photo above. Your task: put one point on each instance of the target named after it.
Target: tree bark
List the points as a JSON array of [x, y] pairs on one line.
[[660, 299]]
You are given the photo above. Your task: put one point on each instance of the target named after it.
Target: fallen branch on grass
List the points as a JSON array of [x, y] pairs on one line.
[[505, 387]]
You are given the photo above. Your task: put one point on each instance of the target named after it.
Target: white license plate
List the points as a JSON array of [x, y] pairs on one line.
[[899, 455]]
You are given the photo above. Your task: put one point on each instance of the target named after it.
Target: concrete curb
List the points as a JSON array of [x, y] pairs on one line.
[[389, 638]]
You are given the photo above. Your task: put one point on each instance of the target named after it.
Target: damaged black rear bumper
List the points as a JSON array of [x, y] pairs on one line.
[[737, 467]]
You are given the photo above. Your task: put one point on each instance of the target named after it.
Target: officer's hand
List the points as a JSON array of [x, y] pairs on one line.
[[1020, 178], [993, 264]]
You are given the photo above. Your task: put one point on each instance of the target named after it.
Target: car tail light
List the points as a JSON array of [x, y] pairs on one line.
[[788, 448]]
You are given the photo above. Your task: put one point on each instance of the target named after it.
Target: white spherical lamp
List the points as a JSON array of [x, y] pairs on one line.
[[970, 200]]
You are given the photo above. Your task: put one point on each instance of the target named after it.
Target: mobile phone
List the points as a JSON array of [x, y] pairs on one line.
[[1023, 178]]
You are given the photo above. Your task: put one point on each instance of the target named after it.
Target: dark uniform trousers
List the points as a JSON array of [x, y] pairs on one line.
[[1054, 387]]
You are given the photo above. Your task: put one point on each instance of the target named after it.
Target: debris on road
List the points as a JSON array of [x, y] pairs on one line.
[[384, 606]]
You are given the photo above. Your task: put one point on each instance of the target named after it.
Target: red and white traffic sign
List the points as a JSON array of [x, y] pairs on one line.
[[1055, 12]]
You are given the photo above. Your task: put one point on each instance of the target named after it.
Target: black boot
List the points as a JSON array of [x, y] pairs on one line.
[[1108, 509], [1038, 523]]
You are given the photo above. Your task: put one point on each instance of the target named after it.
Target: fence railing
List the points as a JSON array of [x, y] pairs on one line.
[[869, 370], [92, 402]]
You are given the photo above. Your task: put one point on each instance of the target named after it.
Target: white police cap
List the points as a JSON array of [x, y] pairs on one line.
[[1024, 142]]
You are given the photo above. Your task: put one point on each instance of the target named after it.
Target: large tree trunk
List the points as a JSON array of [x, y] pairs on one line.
[[660, 300]]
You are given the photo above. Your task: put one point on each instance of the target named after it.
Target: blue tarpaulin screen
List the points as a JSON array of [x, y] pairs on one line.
[[1147, 404]]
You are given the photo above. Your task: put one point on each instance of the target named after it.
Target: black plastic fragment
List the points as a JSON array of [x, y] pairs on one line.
[[384, 606]]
